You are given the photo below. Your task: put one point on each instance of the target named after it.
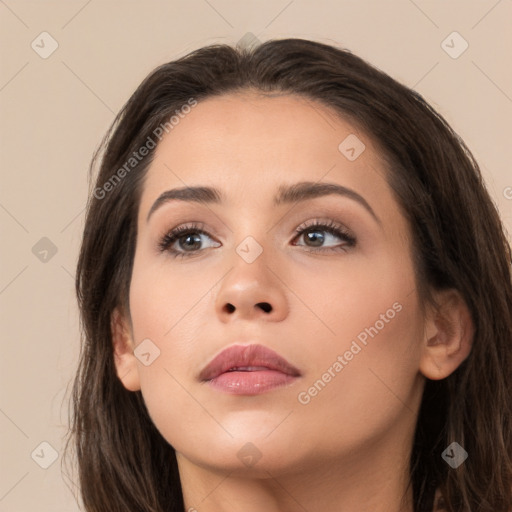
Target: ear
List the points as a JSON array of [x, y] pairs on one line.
[[125, 361], [448, 338]]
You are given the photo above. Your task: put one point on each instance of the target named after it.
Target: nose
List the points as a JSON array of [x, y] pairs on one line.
[[252, 291]]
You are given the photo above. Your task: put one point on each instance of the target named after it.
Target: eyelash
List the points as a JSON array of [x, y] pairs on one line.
[[329, 227]]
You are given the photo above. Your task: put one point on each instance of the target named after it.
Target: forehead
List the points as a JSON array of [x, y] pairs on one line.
[[252, 119], [249, 143]]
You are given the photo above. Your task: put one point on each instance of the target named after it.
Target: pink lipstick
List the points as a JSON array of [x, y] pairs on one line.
[[248, 370]]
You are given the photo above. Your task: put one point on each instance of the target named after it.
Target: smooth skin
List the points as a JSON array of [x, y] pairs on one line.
[[347, 450]]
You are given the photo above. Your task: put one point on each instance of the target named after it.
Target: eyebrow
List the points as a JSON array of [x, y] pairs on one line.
[[287, 194]]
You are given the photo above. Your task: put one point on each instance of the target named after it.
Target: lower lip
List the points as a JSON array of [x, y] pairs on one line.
[[251, 383]]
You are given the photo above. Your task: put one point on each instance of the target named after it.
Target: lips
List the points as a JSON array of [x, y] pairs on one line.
[[247, 358]]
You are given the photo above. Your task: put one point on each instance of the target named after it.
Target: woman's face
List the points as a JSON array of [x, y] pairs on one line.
[[338, 303]]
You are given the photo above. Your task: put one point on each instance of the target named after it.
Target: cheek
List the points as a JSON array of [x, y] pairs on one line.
[[164, 303], [165, 310], [368, 358], [366, 384], [361, 297]]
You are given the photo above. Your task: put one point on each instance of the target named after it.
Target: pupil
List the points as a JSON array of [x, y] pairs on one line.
[[191, 237]]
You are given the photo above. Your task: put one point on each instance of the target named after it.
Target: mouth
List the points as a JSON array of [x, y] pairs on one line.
[[248, 370]]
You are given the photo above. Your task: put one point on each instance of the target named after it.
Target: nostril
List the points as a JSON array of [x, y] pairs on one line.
[[265, 306], [229, 308]]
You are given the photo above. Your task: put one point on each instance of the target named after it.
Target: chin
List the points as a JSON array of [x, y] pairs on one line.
[[253, 454]]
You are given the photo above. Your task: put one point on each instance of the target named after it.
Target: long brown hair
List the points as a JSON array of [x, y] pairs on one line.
[[124, 463]]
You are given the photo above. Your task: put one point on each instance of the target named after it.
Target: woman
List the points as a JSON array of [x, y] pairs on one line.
[[295, 294]]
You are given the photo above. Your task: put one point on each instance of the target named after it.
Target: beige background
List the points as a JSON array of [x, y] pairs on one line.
[[55, 110]]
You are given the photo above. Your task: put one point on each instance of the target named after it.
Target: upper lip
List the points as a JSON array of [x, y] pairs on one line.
[[246, 356]]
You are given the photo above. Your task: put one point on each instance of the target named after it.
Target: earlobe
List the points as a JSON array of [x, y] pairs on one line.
[[124, 359], [448, 337]]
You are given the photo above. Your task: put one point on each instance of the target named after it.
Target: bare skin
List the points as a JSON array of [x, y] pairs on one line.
[[345, 447]]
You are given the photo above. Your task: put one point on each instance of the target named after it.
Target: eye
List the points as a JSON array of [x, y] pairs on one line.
[[333, 230], [186, 241], [188, 238]]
